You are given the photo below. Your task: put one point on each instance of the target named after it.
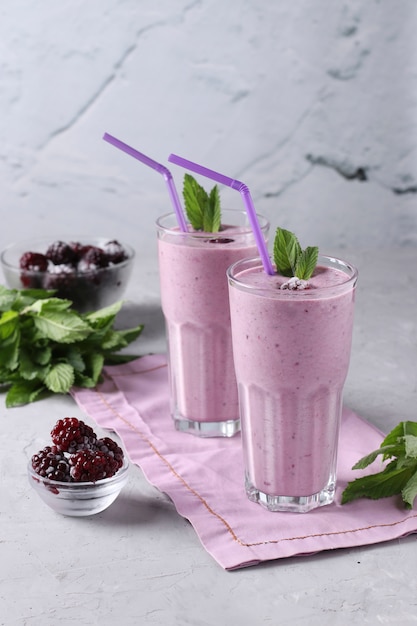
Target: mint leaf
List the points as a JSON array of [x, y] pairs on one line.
[[75, 358], [7, 298], [370, 458], [290, 259], [113, 341], [9, 352], [94, 363], [49, 304], [24, 392], [203, 210], [118, 339], [195, 199], [60, 378], [401, 429], [118, 359], [41, 354], [306, 263], [46, 347], [9, 321], [28, 368], [103, 318], [398, 477], [401, 433], [409, 491], [410, 442], [62, 326], [384, 484], [212, 219], [286, 251], [84, 381]]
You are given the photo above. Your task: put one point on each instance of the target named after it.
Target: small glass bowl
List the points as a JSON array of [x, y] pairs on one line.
[[88, 290], [79, 499]]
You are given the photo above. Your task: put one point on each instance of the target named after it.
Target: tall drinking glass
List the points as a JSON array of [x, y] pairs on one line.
[[291, 354], [195, 303]]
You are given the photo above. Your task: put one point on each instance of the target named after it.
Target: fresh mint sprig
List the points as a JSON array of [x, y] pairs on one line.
[[399, 475], [203, 210], [290, 259], [47, 347]]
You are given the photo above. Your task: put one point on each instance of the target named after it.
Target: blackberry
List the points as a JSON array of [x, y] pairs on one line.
[[51, 463], [92, 465], [112, 449], [33, 261], [61, 253], [62, 278], [33, 265], [115, 251], [71, 435], [93, 258], [85, 248], [78, 250], [221, 240]]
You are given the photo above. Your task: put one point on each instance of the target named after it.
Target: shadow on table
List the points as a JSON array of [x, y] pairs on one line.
[[140, 509]]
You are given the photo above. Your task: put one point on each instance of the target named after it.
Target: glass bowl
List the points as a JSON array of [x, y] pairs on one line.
[[88, 289], [79, 499]]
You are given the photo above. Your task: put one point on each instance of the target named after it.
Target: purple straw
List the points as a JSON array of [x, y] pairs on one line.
[[247, 199], [159, 168]]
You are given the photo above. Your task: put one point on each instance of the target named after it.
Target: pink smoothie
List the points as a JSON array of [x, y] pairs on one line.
[[195, 304], [291, 352]]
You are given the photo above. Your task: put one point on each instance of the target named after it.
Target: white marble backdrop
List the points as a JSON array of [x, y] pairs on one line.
[[313, 104]]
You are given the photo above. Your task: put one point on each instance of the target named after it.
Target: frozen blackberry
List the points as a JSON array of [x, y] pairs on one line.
[[33, 261], [51, 463], [62, 278], [71, 435], [61, 253], [221, 240], [111, 448], [94, 258], [33, 264], [78, 250], [115, 251], [92, 465]]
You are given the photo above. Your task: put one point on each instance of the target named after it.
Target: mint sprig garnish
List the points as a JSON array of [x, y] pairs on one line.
[[400, 474], [290, 259], [47, 347], [203, 209]]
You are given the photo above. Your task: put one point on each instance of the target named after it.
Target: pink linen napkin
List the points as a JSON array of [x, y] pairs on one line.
[[204, 477]]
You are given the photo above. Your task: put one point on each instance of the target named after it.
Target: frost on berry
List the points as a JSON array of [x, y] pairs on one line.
[[61, 253], [71, 434], [32, 264], [33, 261], [93, 259], [115, 251], [62, 278]]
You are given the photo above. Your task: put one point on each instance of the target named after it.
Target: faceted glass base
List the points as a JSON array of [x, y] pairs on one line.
[[292, 504], [228, 428]]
